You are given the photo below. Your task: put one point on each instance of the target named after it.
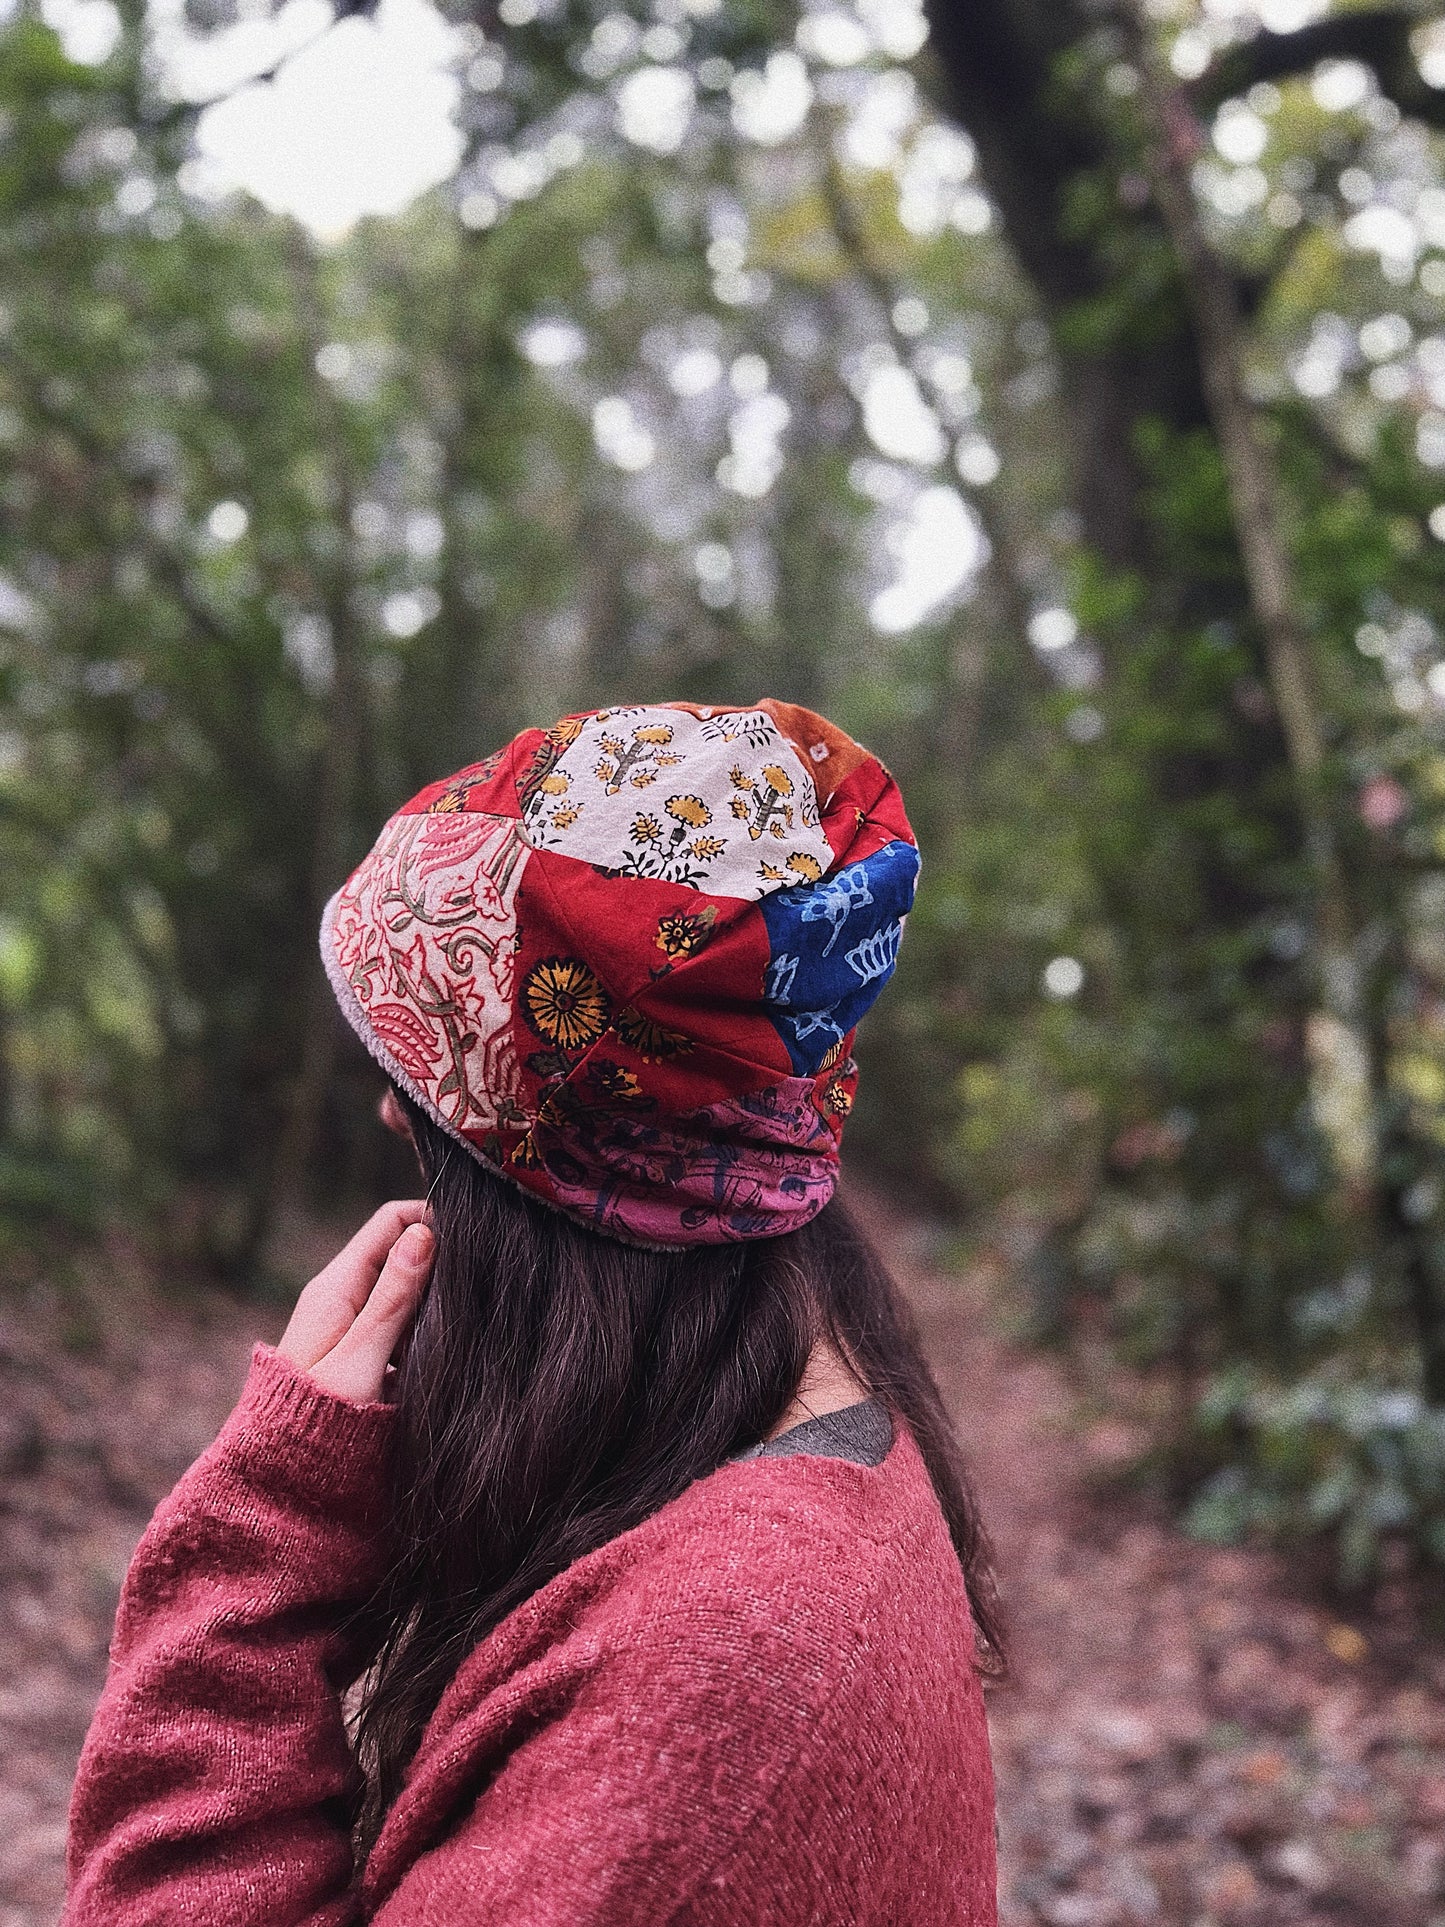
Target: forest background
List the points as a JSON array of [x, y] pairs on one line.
[[1057, 399]]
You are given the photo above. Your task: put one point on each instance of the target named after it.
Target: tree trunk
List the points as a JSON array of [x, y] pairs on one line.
[[1136, 352], [999, 62], [1338, 1039], [458, 695]]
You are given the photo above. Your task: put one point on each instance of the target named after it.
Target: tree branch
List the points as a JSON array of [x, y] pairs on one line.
[[170, 565], [1379, 37]]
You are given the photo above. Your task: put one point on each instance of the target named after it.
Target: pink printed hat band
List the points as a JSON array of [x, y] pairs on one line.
[[622, 960]]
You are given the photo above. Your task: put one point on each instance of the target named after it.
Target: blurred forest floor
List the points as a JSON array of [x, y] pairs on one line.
[[1187, 1737]]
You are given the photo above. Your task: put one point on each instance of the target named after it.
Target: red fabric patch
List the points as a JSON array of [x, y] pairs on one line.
[[865, 812]]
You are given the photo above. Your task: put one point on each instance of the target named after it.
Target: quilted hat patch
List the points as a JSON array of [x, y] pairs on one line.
[[622, 960]]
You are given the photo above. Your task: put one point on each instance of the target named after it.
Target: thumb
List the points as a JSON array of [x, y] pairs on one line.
[[355, 1367]]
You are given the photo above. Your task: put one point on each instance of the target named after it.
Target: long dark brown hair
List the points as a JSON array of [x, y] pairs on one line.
[[558, 1387]]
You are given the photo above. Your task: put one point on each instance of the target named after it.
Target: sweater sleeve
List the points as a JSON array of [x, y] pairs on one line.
[[214, 1782]]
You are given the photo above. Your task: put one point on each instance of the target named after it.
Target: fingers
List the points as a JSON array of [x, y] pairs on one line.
[[328, 1306], [356, 1366], [388, 1310], [353, 1271]]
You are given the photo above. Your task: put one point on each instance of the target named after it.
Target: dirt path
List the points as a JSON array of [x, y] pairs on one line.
[[1184, 1742]]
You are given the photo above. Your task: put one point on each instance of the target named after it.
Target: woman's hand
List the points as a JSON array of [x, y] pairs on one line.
[[349, 1319]]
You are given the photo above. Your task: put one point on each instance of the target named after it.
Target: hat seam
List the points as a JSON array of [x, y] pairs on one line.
[[584, 715], [717, 709]]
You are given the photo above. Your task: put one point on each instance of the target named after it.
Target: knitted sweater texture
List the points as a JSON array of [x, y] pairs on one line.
[[759, 1708]]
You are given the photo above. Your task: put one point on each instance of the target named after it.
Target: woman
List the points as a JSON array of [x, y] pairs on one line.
[[593, 1548]]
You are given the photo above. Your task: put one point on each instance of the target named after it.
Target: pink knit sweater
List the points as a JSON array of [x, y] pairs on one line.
[[757, 1709]]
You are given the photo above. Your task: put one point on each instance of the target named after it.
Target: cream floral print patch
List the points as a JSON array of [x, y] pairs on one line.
[[743, 822]]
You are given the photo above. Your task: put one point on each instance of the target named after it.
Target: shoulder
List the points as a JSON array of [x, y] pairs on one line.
[[745, 1620], [786, 1564], [757, 1591], [798, 1509]]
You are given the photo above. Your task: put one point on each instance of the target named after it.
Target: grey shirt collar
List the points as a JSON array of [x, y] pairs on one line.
[[862, 1433]]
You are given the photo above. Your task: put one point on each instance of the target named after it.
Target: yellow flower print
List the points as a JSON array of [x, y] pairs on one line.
[[565, 1003], [547, 755], [614, 1084], [763, 803], [837, 1098], [683, 934], [806, 868], [447, 801], [690, 810], [564, 819], [557, 784], [527, 1153], [646, 829], [637, 762], [707, 849], [652, 1041]]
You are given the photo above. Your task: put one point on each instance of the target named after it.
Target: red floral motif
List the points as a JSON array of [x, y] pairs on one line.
[[409, 1040], [450, 861]]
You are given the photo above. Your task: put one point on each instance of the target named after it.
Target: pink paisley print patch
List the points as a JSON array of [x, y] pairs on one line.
[[741, 1168]]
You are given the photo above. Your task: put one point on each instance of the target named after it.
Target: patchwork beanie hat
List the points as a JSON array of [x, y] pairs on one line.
[[621, 960]]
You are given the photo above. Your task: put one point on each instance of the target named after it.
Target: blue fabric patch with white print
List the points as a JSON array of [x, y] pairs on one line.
[[832, 946]]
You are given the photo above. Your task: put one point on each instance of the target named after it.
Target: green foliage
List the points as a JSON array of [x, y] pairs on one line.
[[1333, 1452]]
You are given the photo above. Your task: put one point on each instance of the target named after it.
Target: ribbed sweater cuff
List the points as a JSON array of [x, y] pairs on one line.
[[322, 1448]]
